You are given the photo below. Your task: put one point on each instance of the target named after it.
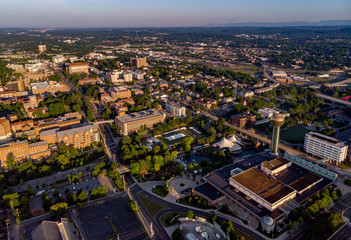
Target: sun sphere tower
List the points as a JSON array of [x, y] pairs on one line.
[[277, 121]]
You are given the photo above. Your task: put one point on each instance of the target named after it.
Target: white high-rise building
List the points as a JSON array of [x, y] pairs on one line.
[[175, 109], [325, 147]]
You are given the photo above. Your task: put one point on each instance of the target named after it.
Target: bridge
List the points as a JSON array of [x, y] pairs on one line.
[[333, 99], [103, 122]]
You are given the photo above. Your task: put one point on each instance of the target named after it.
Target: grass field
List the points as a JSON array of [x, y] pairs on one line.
[[151, 206], [160, 190], [294, 134]]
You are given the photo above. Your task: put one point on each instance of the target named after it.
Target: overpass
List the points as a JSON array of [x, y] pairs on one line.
[[333, 99], [104, 121]]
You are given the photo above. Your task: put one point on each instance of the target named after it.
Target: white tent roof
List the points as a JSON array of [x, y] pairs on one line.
[[234, 139], [225, 143], [236, 147]]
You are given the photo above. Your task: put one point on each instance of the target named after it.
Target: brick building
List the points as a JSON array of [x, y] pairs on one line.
[[138, 62], [21, 150], [5, 128], [79, 136], [79, 67], [120, 93], [244, 120]]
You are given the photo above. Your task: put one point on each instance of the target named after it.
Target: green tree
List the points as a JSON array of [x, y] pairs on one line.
[[190, 214], [12, 200], [135, 168], [10, 161], [83, 196], [59, 209], [133, 206]]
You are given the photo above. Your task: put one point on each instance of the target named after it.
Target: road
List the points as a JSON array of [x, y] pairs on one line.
[[109, 141]]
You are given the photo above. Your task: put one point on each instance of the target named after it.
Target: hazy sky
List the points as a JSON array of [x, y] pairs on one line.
[[140, 13]]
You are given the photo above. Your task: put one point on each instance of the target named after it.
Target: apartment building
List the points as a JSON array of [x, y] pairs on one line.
[[325, 147], [119, 76], [244, 120], [175, 109], [132, 122], [120, 93], [138, 62], [78, 136], [138, 75], [79, 67], [5, 128], [41, 48], [21, 150]]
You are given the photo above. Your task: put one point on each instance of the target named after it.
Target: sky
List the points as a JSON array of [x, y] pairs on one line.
[[165, 13]]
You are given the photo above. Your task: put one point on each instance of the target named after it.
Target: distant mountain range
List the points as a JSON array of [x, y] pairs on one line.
[[285, 24]]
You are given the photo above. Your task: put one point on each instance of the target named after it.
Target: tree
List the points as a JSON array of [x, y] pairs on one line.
[[59, 209], [83, 196], [213, 217], [135, 168], [12, 200], [190, 214], [63, 160], [133, 206], [10, 161]]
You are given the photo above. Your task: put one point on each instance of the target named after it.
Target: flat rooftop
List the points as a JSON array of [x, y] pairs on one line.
[[209, 191], [139, 115], [262, 185], [275, 163], [325, 138], [304, 181]]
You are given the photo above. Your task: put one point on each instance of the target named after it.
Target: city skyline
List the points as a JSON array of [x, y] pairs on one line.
[[156, 13]]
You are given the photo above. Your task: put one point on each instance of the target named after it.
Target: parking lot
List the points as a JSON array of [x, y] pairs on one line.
[[108, 217], [344, 205]]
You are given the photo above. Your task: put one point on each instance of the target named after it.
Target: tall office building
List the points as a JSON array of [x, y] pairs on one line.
[[42, 48], [277, 121], [325, 147]]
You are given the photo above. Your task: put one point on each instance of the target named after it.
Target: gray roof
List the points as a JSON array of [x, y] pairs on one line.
[[47, 230], [79, 130], [49, 132], [37, 144], [139, 115]]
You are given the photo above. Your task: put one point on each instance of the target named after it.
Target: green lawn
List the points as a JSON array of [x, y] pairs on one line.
[[160, 190], [151, 206], [294, 134]]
